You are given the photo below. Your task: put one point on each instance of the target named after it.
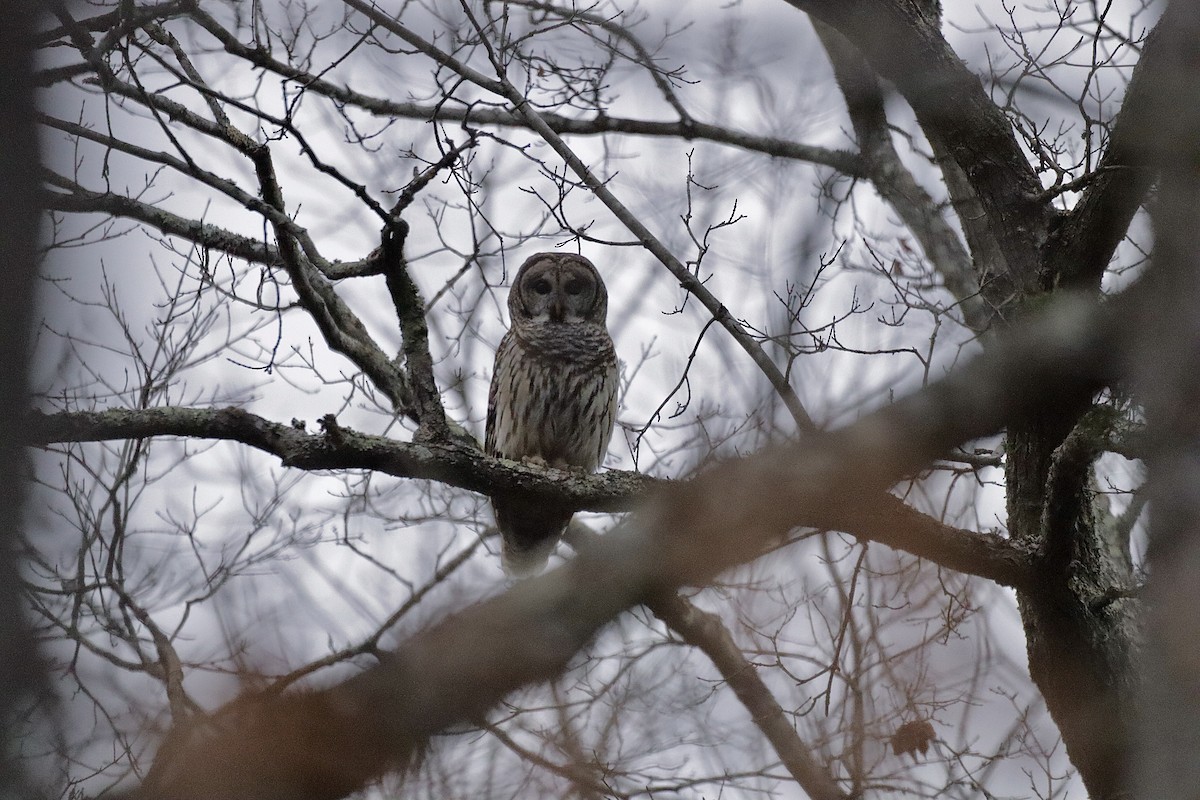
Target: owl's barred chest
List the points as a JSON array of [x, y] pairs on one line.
[[555, 398], [559, 346]]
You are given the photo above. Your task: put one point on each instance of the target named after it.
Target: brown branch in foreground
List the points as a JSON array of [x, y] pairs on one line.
[[325, 744], [1166, 372]]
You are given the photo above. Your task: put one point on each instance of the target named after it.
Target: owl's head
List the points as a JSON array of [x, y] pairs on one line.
[[560, 288]]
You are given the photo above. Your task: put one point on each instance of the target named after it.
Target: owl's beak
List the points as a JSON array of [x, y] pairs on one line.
[[558, 309]]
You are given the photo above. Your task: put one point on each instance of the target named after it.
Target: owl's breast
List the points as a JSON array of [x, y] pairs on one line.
[[555, 408]]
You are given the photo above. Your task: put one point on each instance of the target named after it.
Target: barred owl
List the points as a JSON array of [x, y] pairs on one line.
[[553, 398]]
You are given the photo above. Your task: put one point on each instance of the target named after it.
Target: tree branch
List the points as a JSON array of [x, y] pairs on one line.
[[883, 518], [79, 200], [340, 448], [843, 161], [905, 47], [410, 309], [341, 327], [1089, 235], [709, 634], [705, 631], [894, 182]]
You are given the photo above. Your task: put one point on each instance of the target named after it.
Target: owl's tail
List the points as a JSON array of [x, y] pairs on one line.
[[528, 533]]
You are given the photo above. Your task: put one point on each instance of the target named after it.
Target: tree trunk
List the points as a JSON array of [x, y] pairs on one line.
[[1082, 632]]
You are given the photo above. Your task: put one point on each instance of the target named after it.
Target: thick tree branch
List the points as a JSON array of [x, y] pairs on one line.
[[341, 448], [882, 518], [1070, 537], [905, 46], [894, 182], [103, 23], [1088, 236]]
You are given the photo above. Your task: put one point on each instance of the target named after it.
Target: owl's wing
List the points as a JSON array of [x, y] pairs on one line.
[[608, 406], [502, 356]]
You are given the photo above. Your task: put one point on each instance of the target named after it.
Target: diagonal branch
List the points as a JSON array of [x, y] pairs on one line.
[[894, 181], [904, 46], [1090, 234], [705, 631], [341, 327]]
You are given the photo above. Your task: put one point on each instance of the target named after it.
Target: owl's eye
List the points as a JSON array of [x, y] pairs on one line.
[[542, 286], [574, 287]]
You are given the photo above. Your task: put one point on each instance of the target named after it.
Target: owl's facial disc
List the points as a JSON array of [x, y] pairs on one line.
[[557, 289]]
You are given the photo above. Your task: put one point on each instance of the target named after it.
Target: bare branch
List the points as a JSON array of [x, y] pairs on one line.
[[343, 330], [843, 161], [652, 243], [427, 400], [1089, 235], [84, 201], [706, 631], [894, 181]]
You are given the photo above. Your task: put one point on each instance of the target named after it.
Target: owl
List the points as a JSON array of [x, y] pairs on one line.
[[553, 398]]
